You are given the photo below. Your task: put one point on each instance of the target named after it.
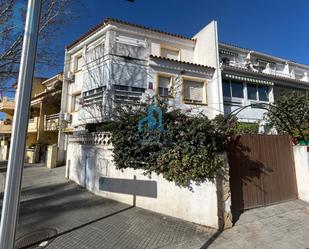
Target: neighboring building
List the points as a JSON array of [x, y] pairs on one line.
[[120, 62], [250, 77], [43, 126]]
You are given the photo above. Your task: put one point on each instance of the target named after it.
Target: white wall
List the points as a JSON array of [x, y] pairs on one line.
[[91, 166], [206, 52], [301, 158]]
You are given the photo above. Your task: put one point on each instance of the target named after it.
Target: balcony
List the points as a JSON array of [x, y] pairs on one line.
[[7, 105], [33, 124], [51, 122], [6, 127]]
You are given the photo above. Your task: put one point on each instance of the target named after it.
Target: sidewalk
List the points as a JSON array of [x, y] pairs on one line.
[[53, 206]]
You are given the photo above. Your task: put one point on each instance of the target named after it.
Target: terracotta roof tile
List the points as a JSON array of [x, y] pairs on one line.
[[110, 20], [184, 62]]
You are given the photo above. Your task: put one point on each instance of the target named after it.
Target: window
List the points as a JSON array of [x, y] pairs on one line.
[[233, 89], [170, 53], [194, 92], [79, 63], [225, 61], [226, 88], [138, 89], [121, 88], [263, 93], [165, 86], [76, 102], [237, 89], [252, 91], [257, 92]]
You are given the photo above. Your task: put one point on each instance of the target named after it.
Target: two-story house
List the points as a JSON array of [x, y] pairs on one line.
[[120, 62]]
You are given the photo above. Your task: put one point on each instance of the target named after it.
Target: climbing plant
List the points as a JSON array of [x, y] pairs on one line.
[[188, 148], [290, 114]]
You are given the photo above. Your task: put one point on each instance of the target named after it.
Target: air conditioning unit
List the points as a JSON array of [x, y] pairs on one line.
[[70, 76], [67, 117]]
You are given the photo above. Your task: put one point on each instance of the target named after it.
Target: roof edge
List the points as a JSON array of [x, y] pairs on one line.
[[110, 20]]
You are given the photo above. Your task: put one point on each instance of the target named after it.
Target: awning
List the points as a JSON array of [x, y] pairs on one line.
[[247, 79]]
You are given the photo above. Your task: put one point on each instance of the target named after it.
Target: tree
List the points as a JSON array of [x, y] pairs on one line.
[[12, 16], [290, 114]]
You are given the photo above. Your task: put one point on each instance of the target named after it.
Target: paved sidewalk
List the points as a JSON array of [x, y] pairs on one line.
[[281, 226], [83, 220]]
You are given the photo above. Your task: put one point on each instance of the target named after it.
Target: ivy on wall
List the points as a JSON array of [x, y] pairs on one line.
[[188, 148]]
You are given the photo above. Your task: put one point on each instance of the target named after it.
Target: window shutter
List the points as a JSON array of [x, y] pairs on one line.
[[194, 91], [165, 86], [164, 82]]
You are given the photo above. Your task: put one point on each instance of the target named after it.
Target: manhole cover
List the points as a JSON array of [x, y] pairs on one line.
[[30, 240]]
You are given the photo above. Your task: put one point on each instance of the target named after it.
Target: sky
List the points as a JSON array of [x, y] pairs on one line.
[[279, 28], [276, 27]]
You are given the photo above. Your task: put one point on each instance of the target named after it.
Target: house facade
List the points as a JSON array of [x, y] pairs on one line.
[[43, 125], [253, 78], [120, 62]]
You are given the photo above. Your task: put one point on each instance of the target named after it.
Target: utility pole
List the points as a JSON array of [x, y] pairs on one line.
[[10, 208]]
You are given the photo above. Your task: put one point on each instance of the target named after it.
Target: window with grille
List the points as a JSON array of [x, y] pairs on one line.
[[128, 93], [165, 86], [194, 92]]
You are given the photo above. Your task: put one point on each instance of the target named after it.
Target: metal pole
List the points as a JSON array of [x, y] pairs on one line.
[[20, 125]]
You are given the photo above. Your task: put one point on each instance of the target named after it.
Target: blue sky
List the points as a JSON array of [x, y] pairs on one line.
[[277, 27]]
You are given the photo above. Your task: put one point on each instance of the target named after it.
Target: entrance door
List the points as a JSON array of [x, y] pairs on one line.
[[261, 170]]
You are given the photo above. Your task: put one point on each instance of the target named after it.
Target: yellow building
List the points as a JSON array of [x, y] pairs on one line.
[[43, 123]]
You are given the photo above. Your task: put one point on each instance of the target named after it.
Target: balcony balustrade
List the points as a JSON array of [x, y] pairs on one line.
[[7, 105], [33, 124], [51, 122], [5, 127]]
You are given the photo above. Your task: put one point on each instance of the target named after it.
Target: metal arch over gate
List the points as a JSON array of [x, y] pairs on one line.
[[262, 170]]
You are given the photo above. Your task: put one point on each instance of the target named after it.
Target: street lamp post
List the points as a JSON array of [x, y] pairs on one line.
[[10, 206]]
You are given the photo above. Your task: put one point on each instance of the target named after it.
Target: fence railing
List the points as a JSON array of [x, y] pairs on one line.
[[5, 127], [51, 122], [93, 138], [33, 124]]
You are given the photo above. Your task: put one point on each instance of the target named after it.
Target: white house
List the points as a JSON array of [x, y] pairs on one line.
[[117, 61]]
